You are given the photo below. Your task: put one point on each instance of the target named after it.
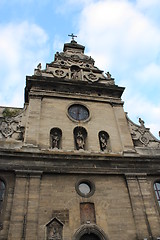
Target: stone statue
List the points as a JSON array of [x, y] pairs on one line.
[[80, 141], [103, 141], [55, 140], [141, 122], [108, 75], [39, 66], [75, 74]]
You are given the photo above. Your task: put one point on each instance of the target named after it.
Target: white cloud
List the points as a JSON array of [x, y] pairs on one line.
[[123, 39], [22, 46]]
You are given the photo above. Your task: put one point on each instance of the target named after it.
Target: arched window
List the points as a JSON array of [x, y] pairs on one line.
[[157, 191], [104, 141], [80, 135], [2, 192], [55, 138]]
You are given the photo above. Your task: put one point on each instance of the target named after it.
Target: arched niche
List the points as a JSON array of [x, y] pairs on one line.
[[104, 141], [75, 72], [55, 138], [80, 136], [89, 232]]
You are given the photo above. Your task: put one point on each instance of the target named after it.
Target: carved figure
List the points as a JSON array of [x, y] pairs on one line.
[[75, 74], [39, 66], [108, 75], [55, 140], [141, 122], [80, 140], [54, 234], [103, 142]]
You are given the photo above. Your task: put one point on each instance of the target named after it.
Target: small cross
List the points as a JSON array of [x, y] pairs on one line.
[[72, 35]]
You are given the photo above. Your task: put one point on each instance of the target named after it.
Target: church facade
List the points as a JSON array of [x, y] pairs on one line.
[[72, 164]]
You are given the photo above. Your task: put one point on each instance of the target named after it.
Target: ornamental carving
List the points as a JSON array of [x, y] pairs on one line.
[[141, 135], [54, 229], [59, 73], [92, 77], [11, 128], [72, 63]]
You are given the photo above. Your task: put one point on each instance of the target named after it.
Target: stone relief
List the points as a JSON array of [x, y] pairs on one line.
[[11, 128], [141, 135], [54, 229]]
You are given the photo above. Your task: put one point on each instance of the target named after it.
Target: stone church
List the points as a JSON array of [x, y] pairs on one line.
[[73, 166]]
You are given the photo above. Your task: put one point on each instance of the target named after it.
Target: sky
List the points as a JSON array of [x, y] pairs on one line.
[[122, 36]]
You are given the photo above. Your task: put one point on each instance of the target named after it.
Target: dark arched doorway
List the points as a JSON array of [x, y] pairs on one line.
[[89, 232], [90, 236]]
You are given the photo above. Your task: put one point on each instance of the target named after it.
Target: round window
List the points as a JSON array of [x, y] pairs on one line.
[[85, 188], [78, 112]]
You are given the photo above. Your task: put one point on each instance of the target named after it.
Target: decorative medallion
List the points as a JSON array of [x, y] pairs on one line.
[[8, 128], [59, 73], [92, 77]]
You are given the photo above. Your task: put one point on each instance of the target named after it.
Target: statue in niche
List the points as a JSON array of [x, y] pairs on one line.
[[54, 230], [75, 72], [56, 135], [80, 140], [103, 139], [80, 135]]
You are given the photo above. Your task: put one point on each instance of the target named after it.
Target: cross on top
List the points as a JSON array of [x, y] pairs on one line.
[[73, 36]]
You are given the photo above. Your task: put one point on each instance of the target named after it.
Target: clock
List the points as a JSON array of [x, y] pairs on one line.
[[78, 112]]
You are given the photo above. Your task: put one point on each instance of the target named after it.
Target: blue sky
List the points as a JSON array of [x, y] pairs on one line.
[[123, 37]]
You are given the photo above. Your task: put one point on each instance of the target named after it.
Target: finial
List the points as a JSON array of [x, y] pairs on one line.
[[73, 36]]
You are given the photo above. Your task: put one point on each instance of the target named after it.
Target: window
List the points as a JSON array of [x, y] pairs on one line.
[[157, 191], [2, 192], [78, 112], [85, 188]]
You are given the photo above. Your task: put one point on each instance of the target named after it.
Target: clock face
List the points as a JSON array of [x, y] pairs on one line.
[[78, 112]]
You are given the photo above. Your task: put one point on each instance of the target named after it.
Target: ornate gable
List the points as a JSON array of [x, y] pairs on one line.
[[73, 64], [142, 137]]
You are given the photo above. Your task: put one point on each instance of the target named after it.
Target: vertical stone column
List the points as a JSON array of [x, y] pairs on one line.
[[138, 208], [18, 211], [33, 206], [24, 214], [33, 121], [152, 214]]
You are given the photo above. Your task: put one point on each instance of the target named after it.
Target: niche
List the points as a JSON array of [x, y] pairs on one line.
[[104, 141], [80, 135], [55, 138]]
